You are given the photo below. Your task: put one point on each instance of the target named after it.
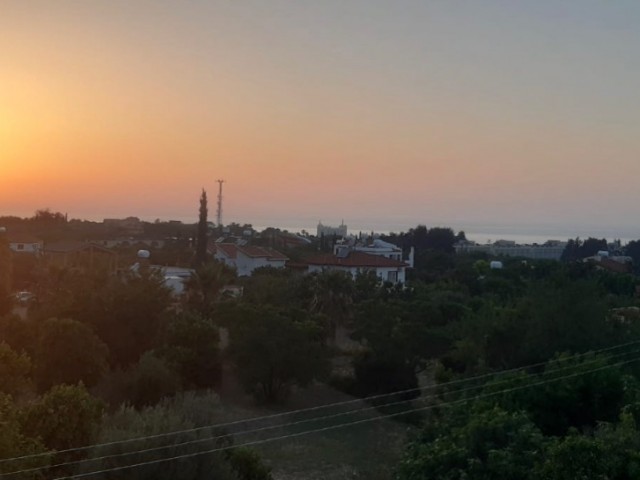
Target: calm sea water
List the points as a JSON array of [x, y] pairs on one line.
[[478, 232], [491, 233]]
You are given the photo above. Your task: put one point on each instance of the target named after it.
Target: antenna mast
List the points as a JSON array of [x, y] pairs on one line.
[[219, 213]]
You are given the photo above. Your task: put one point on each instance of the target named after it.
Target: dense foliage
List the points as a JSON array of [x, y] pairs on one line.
[[99, 357]]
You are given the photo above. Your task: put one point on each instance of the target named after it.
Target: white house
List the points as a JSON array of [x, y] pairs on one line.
[[25, 244], [246, 258], [355, 262], [374, 247]]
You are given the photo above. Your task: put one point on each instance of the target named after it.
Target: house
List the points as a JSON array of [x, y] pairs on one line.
[[355, 262], [23, 243], [374, 246], [615, 264], [246, 258], [279, 239], [80, 255]]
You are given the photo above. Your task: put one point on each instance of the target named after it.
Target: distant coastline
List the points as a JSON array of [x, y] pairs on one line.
[[476, 231]]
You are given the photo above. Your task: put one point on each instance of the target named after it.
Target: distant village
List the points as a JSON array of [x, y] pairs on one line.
[[168, 247]]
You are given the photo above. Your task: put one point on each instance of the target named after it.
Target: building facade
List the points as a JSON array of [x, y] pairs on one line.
[[245, 258]]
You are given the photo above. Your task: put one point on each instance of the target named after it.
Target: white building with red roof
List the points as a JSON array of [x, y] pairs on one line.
[[356, 262], [246, 258]]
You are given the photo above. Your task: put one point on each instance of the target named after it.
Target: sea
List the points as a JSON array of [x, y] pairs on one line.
[[476, 231], [482, 234]]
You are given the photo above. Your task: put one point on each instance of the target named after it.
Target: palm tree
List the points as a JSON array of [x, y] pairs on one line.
[[332, 296], [205, 286]]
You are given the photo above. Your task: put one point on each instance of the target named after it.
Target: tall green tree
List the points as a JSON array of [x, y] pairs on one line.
[[128, 314], [191, 348], [69, 352], [395, 343], [201, 235], [275, 350], [331, 294], [205, 286]]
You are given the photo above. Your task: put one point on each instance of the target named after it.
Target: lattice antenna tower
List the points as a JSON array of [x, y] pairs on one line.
[[219, 212]]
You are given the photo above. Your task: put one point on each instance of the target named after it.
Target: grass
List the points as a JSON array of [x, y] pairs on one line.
[[368, 450]]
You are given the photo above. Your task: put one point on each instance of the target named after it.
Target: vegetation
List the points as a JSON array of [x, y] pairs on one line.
[[201, 235], [101, 357], [276, 350]]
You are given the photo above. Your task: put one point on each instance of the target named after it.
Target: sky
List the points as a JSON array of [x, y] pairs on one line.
[[484, 114]]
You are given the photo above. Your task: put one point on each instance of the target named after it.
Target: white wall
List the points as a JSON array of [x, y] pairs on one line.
[[25, 247], [245, 265]]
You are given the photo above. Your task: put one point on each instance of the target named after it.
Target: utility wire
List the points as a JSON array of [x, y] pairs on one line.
[[291, 424], [316, 408], [334, 427]]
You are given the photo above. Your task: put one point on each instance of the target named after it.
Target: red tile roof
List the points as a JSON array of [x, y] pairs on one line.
[[355, 259], [231, 250]]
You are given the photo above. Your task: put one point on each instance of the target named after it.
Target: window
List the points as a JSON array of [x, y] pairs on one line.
[[21, 246], [392, 276]]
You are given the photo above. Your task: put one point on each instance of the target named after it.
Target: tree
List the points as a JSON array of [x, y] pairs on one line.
[[578, 249], [19, 334], [128, 314], [491, 445], [277, 287], [201, 236], [332, 296], [594, 394], [632, 249], [5, 275], [15, 443], [553, 315], [142, 384], [14, 370], [67, 416], [205, 285], [181, 413], [611, 453], [394, 346], [125, 311], [45, 215], [441, 239], [69, 352], [275, 350], [191, 348]]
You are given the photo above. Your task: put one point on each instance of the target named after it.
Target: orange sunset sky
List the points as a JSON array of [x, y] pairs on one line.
[[381, 113]]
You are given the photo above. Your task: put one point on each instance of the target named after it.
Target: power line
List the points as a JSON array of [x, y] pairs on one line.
[[342, 425], [319, 407], [291, 424]]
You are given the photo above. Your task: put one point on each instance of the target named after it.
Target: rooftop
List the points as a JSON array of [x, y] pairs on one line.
[[231, 250], [354, 259]]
